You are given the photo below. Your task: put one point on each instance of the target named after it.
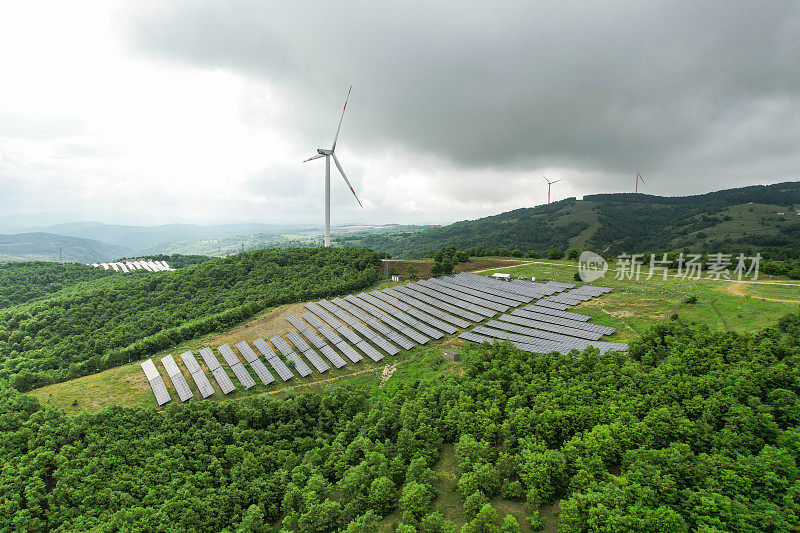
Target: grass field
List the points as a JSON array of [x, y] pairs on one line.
[[634, 305]]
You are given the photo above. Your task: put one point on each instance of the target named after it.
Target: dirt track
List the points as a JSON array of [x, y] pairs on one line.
[[737, 289]]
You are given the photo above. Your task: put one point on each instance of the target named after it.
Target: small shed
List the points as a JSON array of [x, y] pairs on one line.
[[501, 275], [450, 355], [397, 277]]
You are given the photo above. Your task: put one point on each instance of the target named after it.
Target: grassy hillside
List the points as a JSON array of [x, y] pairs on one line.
[[107, 322], [748, 217], [46, 246]]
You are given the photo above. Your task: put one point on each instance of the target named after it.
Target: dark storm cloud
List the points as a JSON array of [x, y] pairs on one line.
[[692, 90]]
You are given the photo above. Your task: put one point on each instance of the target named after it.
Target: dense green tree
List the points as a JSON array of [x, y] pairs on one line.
[[117, 319]]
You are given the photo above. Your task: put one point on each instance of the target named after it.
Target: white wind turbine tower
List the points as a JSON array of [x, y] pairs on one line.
[[327, 154], [549, 183], [638, 177]]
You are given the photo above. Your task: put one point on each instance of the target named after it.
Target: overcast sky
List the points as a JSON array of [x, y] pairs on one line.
[[156, 112]]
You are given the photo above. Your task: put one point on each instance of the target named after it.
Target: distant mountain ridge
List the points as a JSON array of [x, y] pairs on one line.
[[40, 246], [746, 217]]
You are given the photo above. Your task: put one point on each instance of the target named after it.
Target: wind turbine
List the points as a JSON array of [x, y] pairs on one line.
[[549, 183], [327, 154], [638, 177]]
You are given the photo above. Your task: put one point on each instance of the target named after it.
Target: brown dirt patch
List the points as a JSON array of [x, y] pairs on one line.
[[424, 266]]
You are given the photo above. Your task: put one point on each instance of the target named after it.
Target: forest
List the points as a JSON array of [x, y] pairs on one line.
[[612, 223], [692, 430], [119, 318], [22, 282]]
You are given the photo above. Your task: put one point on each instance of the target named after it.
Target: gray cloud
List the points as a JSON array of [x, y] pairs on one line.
[[684, 90]]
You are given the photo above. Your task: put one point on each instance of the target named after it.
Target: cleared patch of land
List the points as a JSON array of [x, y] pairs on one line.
[[424, 266]]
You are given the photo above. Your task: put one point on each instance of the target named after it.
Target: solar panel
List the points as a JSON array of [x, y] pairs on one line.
[[452, 297], [223, 380], [296, 322], [375, 323], [555, 312], [543, 317], [446, 288], [320, 326], [502, 288], [298, 341], [362, 328], [156, 383], [246, 351], [238, 369], [552, 305], [175, 375], [348, 351], [261, 371], [334, 322], [420, 316], [409, 320], [474, 337], [437, 299], [370, 352], [332, 356], [375, 311], [433, 311], [548, 326], [299, 365], [485, 294], [308, 352], [199, 377]]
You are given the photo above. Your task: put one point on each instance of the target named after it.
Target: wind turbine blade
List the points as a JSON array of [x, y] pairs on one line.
[[341, 171], [545, 179], [641, 178], [559, 179], [336, 137], [313, 157]]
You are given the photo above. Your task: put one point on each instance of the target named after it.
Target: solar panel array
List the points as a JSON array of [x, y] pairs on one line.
[[401, 315], [238, 368], [423, 294], [374, 323], [416, 315], [224, 382], [307, 351], [335, 359], [370, 334], [175, 375], [199, 377], [288, 353], [257, 364], [405, 316], [425, 308], [338, 342], [275, 361], [156, 383]]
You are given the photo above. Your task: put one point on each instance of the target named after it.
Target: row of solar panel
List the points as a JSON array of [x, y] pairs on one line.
[[226, 385], [535, 342]]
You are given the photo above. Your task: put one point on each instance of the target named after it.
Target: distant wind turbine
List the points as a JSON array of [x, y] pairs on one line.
[[638, 177], [549, 183], [323, 152]]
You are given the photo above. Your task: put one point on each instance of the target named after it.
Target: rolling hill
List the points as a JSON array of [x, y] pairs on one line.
[[41, 246], [748, 217]]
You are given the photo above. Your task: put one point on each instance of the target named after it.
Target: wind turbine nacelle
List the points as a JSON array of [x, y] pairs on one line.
[[323, 151]]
